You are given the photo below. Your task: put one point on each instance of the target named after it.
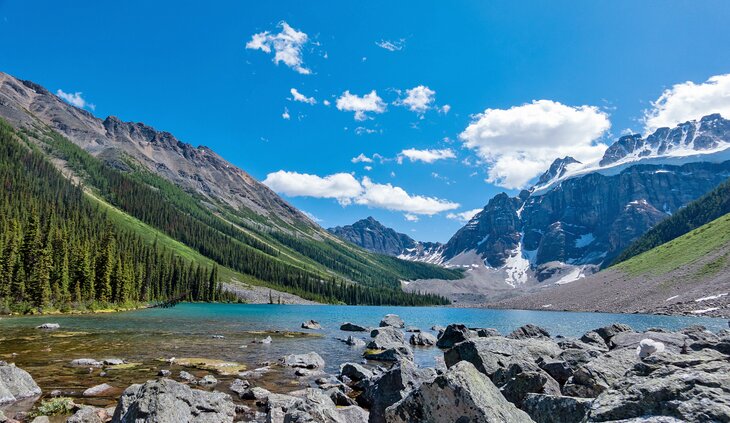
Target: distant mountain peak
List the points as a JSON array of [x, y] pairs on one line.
[[557, 169]]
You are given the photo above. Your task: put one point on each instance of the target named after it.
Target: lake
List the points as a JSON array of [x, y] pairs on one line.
[[150, 336]]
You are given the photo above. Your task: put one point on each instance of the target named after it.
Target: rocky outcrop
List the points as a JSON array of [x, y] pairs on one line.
[[462, 394], [167, 401], [16, 384], [529, 331], [556, 409], [452, 335], [392, 320]]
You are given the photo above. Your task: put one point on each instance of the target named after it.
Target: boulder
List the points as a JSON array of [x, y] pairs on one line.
[[600, 373], [487, 332], [239, 386], [453, 334], [310, 405], [208, 380], [164, 373], [86, 362], [558, 369], [608, 332], [386, 337], [518, 380], [399, 353], [391, 387], [311, 324], [310, 360], [555, 409], [423, 339], [48, 326], [462, 394], [592, 338], [187, 377], [16, 384], [672, 341], [355, 342], [529, 331], [392, 320], [88, 414], [351, 327], [167, 401], [41, 419], [355, 372], [412, 329], [339, 398], [113, 361], [680, 386], [99, 390], [491, 354]]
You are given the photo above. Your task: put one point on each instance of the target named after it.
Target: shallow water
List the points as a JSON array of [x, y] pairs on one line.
[[149, 336]]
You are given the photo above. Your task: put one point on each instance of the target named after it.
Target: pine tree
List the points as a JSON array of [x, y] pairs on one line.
[[105, 267]]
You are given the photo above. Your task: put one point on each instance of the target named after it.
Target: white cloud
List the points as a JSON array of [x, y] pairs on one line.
[[286, 115], [392, 45], [360, 130], [361, 159], [346, 190], [341, 186], [369, 103], [464, 216], [418, 99], [411, 217], [297, 96], [75, 99], [688, 101], [520, 143], [287, 46], [387, 196], [312, 217], [445, 109], [426, 156], [368, 168], [326, 102]]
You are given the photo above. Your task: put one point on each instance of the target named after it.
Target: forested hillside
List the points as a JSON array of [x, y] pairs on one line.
[[707, 208], [44, 214]]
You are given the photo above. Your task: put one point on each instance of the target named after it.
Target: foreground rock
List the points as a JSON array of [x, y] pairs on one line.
[[423, 339], [556, 409], [452, 335], [310, 360], [529, 331], [386, 337], [310, 405], [16, 384], [167, 401], [462, 394], [392, 320]]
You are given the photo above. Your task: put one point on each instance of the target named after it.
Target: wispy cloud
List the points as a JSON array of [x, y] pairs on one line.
[[75, 99], [391, 45], [286, 45], [297, 96], [426, 156]]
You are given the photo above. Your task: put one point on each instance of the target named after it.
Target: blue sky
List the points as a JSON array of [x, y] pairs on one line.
[[594, 68]]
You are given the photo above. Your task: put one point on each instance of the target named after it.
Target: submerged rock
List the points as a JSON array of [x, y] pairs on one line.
[[392, 320], [49, 326], [351, 327], [167, 401], [310, 360], [462, 394], [311, 324], [86, 362], [16, 384]]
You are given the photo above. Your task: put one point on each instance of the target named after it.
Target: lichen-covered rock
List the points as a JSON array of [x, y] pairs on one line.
[[423, 339], [391, 387], [16, 384], [529, 331], [672, 341], [556, 409], [559, 370], [593, 339], [452, 335], [399, 353], [518, 380], [167, 401], [310, 405], [311, 360], [462, 394], [392, 320]]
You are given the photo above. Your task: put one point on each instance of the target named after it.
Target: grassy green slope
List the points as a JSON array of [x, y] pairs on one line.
[[684, 250]]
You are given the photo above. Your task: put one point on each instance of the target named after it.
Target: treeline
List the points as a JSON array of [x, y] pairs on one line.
[[705, 209], [179, 215], [58, 250]]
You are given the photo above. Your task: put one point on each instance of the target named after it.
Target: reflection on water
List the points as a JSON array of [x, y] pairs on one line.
[[149, 337]]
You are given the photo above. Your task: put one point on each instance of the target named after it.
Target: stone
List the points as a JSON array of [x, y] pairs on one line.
[[608, 332], [391, 387], [462, 394], [187, 377], [311, 324], [529, 331], [386, 337], [392, 320], [487, 332], [208, 380], [339, 397], [423, 339], [239, 386], [601, 373], [99, 390], [167, 401], [556, 409], [88, 414], [453, 334], [399, 353], [255, 393], [351, 327], [491, 354], [648, 347], [16, 384], [594, 339], [354, 342], [41, 419], [558, 369], [217, 337], [310, 405], [86, 362], [164, 373], [48, 326], [355, 372], [310, 360], [412, 329], [518, 380], [266, 340], [113, 361], [437, 328]]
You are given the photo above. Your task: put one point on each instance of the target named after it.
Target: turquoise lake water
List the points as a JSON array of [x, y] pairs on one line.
[[150, 336]]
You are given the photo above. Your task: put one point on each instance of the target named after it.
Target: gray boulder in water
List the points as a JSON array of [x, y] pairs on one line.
[[386, 337], [423, 339], [392, 320], [16, 384], [48, 326], [453, 334], [398, 353], [311, 324], [351, 327], [310, 360], [167, 401], [462, 394]]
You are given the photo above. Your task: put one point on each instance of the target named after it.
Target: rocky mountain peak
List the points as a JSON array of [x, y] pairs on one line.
[[557, 169]]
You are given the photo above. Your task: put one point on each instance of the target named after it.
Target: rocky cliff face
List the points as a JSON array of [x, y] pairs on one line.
[[374, 236], [196, 169], [586, 216]]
